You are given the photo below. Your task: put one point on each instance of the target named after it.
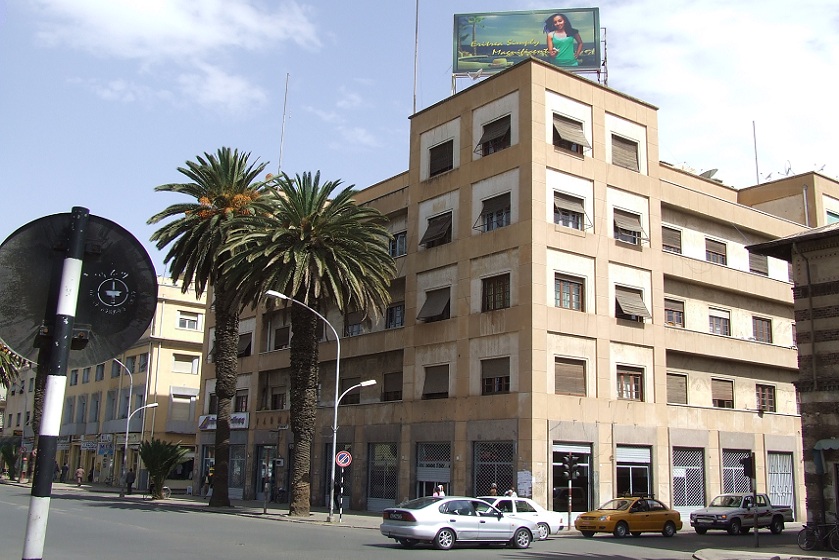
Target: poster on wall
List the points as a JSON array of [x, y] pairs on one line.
[[489, 42]]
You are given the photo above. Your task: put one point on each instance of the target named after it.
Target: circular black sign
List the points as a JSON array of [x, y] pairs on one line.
[[117, 292]]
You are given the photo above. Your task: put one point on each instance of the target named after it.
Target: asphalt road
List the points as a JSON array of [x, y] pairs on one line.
[[86, 525]]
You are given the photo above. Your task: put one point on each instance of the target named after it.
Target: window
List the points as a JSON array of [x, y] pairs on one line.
[[142, 362], [392, 387], [722, 393], [189, 320], [765, 395], [94, 408], [278, 398], [439, 231], [395, 316], [436, 384], [100, 372], [762, 329], [677, 388], [354, 323], [245, 341], [671, 240], [436, 306], [495, 376], [185, 363], [495, 292], [74, 377], [115, 369], [131, 363], [630, 383], [715, 252], [627, 227], [758, 264], [441, 158], [86, 375], [31, 384], [399, 244], [674, 313], [569, 211], [282, 338], [629, 305], [495, 213], [569, 292], [181, 408], [496, 136], [240, 401], [719, 322], [212, 404], [569, 377], [625, 153], [568, 134], [832, 217]]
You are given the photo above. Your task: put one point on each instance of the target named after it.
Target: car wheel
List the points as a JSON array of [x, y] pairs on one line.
[[587, 534], [408, 543], [444, 539], [521, 539], [621, 530], [544, 531], [734, 527], [700, 530], [777, 526], [669, 529]]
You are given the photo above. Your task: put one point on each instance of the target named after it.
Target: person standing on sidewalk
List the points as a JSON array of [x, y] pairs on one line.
[[64, 470], [79, 475], [129, 480]]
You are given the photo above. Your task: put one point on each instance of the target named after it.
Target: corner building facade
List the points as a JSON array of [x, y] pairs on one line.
[[560, 290]]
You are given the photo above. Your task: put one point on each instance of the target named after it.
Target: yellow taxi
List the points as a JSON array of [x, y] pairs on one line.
[[630, 516]]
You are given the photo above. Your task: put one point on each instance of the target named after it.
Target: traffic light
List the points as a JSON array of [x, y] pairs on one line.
[[748, 465], [568, 467]]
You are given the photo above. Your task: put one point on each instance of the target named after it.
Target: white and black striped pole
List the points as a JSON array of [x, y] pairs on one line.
[[62, 336]]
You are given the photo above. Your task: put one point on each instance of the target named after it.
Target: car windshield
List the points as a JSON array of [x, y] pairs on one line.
[[616, 504], [726, 501], [419, 503]]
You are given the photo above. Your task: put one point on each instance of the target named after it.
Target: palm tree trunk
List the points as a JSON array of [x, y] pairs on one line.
[[227, 365], [304, 383]]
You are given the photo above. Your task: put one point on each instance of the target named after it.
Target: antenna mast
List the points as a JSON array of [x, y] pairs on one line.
[[416, 53], [282, 130]]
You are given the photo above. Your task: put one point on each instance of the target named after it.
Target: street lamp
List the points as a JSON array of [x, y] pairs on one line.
[[278, 295], [125, 448], [130, 388]]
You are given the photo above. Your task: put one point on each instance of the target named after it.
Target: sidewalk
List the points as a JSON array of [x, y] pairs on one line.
[[358, 519]]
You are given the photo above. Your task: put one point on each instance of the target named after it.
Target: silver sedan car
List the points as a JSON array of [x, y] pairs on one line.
[[549, 522], [442, 521]]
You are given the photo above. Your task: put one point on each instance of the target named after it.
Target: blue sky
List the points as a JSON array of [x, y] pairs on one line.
[[102, 100]]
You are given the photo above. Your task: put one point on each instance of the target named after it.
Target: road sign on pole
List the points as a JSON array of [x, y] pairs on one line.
[[343, 459]]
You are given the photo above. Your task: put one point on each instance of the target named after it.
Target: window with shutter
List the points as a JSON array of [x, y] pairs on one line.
[[674, 313], [441, 158], [627, 227], [569, 377], [569, 211], [436, 384], [496, 136], [758, 264], [495, 376], [677, 388], [625, 152], [392, 387], [722, 393], [568, 134], [715, 252], [671, 240]]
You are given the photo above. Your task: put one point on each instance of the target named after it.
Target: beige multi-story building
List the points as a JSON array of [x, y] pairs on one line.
[[560, 291], [103, 402]]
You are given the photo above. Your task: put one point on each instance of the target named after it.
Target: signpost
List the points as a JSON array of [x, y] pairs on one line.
[[343, 459]]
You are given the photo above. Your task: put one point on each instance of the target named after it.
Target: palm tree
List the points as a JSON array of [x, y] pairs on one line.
[[160, 457], [10, 365], [320, 251], [224, 190]]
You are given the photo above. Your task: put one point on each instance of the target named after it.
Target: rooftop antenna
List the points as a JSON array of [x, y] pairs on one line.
[[282, 130], [754, 139], [416, 53]]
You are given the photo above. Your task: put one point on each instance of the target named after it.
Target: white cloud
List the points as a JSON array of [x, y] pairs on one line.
[[197, 37]]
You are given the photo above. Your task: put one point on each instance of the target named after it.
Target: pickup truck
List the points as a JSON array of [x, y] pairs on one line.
[[735, 512]]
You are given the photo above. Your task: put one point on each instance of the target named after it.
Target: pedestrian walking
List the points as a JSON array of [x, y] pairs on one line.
[[438, 491], [64, 470], [129, 480], [79, 475]]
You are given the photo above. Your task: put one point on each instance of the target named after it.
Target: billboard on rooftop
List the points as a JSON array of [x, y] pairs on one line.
[[492, 41]]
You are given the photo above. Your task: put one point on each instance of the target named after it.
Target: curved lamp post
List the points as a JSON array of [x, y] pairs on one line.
[[125, 448], [278, 295]]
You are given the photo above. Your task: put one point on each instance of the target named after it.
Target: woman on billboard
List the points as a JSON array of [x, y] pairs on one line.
[[564, 43]]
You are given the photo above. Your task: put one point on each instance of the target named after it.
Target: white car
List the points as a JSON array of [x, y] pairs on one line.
[[442, 521], [548, 522]]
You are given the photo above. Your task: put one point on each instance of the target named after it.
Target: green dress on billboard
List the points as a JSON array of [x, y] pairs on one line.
[[564, 51]]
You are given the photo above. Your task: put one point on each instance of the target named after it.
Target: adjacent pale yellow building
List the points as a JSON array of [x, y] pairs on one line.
[[560, 291]]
